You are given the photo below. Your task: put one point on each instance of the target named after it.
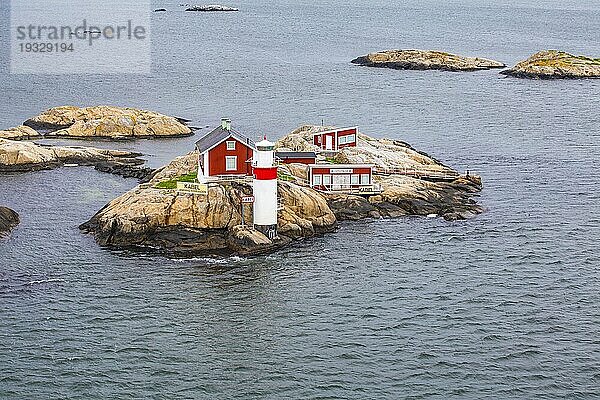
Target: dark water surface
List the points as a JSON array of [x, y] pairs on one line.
[[505, 305]]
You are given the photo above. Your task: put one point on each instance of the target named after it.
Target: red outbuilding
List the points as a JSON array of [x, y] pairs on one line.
[[301, 157], [336, 139], [342, 177], [224, 151]]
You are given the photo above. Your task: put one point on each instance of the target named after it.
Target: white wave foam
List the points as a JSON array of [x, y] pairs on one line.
[[44, 281]]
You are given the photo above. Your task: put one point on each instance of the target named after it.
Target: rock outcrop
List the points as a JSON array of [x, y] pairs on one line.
[[21, 132], [424, 60], [413, 182], [553, 64], [386, 154], [210, 8], [106, 122], [204, 224], [26, 156], [207, 224], [8, 220]]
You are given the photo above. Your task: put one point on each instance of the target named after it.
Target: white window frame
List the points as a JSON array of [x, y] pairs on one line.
[[326, 180], [355, 179], [342, 140], [317, 180], [364, 181], [228, 159], [350, 138], [231, 145]]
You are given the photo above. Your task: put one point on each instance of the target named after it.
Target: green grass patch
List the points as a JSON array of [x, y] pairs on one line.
[[172, 183], [285, 177], [332, 160]]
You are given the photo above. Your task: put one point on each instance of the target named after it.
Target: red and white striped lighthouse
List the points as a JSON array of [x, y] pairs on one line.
[[265, 188]]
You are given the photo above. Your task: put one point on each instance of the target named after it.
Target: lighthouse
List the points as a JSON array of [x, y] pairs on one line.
[[265, 188]]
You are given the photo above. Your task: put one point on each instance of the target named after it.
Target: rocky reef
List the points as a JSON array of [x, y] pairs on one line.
[[8, 220], [209, 8], [554, 64], [27, 156], [178, 222], [425, 60], [106, 122]]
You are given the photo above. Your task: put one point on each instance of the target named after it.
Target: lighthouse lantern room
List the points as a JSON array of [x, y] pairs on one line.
[[265, 188]]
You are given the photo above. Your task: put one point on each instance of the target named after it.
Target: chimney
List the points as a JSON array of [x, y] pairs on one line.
[[224, 123], [228, 124]]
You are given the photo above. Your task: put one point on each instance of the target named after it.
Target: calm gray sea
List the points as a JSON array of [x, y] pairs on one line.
[[505, 305]]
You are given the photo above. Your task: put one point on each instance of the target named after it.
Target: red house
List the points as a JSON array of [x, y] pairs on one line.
[[336, 139], [302, 157], [343, 178], [224, 151]]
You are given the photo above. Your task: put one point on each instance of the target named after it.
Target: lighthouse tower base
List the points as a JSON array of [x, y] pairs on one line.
[[269, 231]]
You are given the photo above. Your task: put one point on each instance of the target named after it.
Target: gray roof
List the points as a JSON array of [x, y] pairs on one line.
[[219, 134], [296, 154]]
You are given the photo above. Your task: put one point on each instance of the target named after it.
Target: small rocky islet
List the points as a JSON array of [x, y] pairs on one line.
[[150, 216], [203, 8], [554, 64], [425, 60], [19, 154], [106, 122], [546, 64]]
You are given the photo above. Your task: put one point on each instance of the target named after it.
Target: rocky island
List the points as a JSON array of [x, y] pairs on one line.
[[425, 60], [16, 156], [8, 220], [106, 122], [554, 64], [156, 215], [98, 122]]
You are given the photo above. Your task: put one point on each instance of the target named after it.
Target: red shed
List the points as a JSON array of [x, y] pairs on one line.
[[336, 139], [224, 151], [342, 177], [302, 157]]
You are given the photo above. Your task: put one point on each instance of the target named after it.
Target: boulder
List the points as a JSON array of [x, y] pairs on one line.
[[106, 122], [8, 220], [554, 64], [425, 60], [20, 132], [351, 207]]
